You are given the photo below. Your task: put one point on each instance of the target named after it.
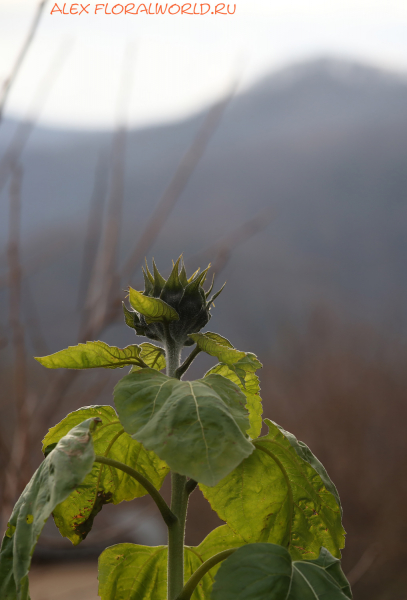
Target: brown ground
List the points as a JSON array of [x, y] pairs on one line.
[[70, 581]]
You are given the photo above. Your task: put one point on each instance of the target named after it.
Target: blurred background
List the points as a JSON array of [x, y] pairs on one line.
[[272, 143]]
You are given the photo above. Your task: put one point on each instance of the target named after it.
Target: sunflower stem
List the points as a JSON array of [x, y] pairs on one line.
[[179, 493]]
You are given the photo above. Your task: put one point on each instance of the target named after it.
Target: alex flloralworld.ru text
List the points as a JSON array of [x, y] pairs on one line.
[[140, 9]]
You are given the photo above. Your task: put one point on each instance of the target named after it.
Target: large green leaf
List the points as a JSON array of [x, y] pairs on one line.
[[60, 473], [92, 355], [153, 356], [305, 453], [267, 572], [197, 427], [153, 309], [281, 494], [104, 484]]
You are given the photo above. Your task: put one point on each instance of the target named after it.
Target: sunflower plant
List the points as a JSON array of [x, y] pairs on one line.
[[282, 535]]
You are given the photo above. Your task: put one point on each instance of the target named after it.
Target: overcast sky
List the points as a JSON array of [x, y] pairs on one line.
[[182, 62]]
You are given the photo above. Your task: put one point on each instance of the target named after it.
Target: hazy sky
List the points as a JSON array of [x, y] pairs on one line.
[[182, 61]]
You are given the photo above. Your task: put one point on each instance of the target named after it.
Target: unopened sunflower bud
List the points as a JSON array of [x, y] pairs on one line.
[[182, 308]]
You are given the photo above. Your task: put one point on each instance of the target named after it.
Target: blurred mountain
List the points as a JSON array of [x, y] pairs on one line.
[[324, 143]]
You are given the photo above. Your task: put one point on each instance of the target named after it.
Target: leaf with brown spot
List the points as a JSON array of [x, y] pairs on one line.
[[74, 517], [281, 494]]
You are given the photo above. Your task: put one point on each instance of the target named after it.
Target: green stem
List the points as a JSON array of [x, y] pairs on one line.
[[172, 351], [179, 494], [193, 581], [172, 356], [141, 364], [190, 486], [176, 535], [168, 516], [187, 362]]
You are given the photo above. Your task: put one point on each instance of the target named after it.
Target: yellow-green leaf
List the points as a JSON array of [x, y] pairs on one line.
[[281, 494], [239, 367], [218, 346], [153, 309], [92, 355], [219, 339], [74, 517], [132, 572], [220, 539], [251, 389], [215, 345], [153, 356]]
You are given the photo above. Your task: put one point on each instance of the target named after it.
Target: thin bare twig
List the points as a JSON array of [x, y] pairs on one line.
[[14, 262], [41, 260], [104, 309], [33, 324], [93, 236], [220, 252], [3, 337], [94, 391], [20, 58], [56, 392], [364, 563], [178, 183], [4, 452], [18, 468], [106, 279], [25, 128], [57, 388]]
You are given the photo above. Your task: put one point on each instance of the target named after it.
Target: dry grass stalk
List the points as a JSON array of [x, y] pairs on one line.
[[23, 132], [18, 469], [21, 56]]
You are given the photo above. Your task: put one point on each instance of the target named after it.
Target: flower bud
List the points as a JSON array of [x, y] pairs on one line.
[[186, 296]]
